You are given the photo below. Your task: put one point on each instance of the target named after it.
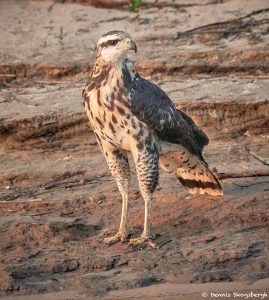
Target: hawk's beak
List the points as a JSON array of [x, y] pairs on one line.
[[133, 46]]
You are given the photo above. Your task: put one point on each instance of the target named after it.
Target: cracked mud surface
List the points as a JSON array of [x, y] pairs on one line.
[[57, 199]]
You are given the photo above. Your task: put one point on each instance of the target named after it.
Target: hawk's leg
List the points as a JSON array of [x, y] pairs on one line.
[[120, 170], [148, 176]]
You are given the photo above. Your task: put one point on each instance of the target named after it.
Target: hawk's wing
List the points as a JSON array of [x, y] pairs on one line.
[[154, 108]]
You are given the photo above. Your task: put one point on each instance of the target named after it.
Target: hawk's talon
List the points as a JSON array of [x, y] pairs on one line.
[[140, 241], [118, 237]]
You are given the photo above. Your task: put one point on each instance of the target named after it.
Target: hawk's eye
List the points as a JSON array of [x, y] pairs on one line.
[[113, 42]]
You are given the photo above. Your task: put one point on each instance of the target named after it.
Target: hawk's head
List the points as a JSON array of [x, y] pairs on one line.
[[114, 44]]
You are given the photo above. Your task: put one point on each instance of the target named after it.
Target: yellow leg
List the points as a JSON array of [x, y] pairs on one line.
[[122, 234]]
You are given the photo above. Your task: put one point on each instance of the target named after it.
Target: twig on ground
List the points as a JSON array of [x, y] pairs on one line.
[[8, 75], [193, 30], [251, 184], [43, 189], [22, 201], [222, 176], [52, 82], [262, 160], [71, 183], [41, 214], [120, 4], [164, 243]]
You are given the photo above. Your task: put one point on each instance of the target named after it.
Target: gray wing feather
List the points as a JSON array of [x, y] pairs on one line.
[[154, 108]]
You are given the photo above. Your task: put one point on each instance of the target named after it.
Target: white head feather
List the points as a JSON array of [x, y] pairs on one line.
[[113, 45]]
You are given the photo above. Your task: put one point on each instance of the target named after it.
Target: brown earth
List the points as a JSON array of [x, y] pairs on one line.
[[57, 198]]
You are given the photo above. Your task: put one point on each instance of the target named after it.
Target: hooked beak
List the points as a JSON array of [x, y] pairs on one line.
[[133, 46]]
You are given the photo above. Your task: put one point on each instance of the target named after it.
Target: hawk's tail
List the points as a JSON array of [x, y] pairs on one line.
[[192, 172]]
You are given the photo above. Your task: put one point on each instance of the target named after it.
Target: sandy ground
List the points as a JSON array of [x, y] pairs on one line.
[[60, 203], [57, 199]]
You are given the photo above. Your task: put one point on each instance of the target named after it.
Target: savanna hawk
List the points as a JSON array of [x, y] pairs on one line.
[[130, 114]]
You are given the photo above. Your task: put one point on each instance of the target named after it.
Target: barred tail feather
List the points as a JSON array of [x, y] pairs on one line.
[[205, 184], [191, 171]]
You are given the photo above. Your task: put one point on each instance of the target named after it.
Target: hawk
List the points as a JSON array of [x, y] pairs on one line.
[[129, 114]]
